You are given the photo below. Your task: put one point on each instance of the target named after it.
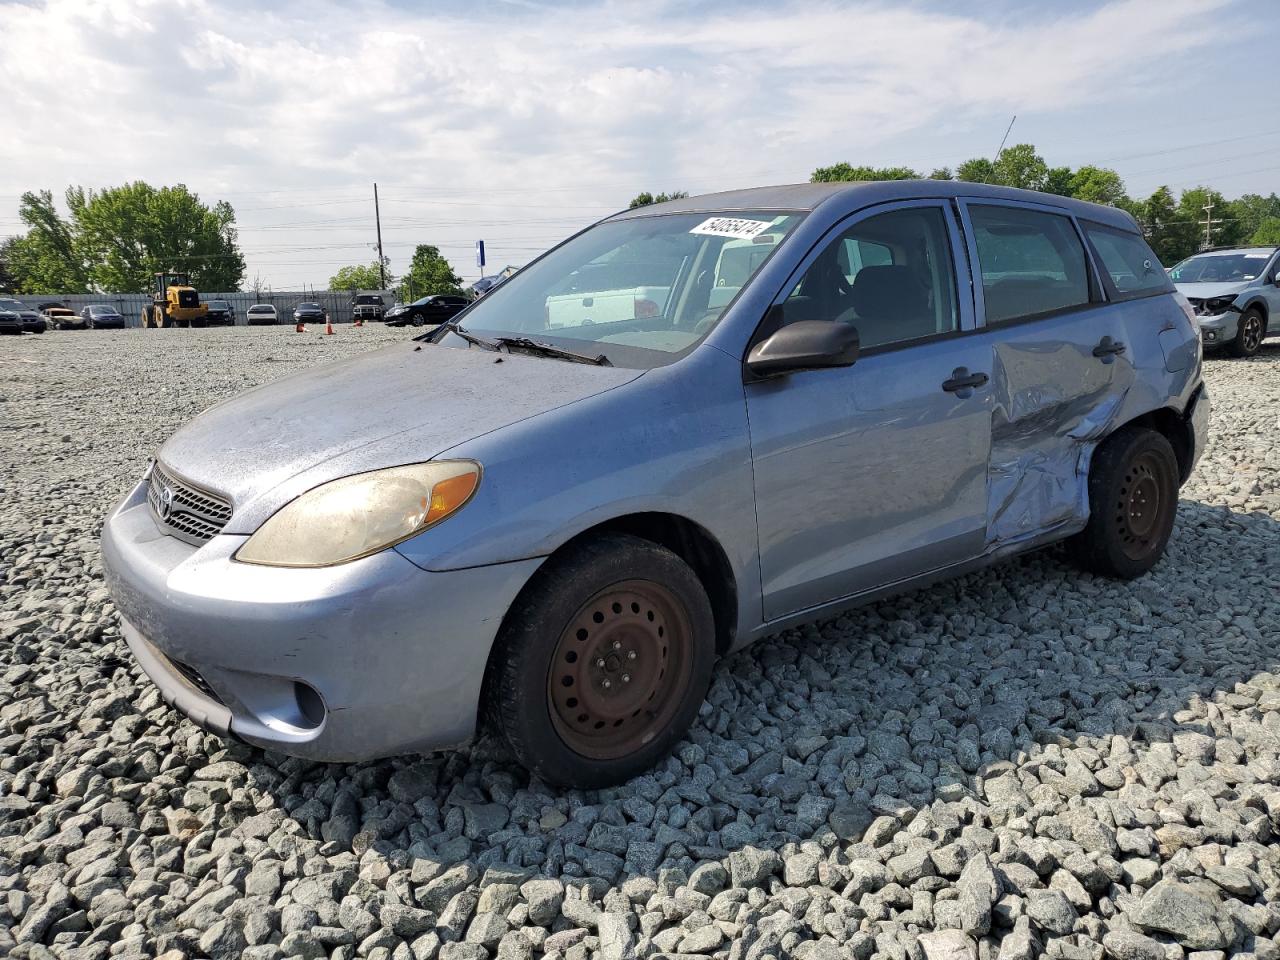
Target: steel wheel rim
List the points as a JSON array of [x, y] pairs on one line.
[[620, 670], [1252, 333], [1142, 507]]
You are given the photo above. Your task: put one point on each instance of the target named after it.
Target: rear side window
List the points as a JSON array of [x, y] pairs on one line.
[[1032, 263], [1134, 270]]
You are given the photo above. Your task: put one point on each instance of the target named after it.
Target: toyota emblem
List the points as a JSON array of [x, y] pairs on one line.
[[166, 503]]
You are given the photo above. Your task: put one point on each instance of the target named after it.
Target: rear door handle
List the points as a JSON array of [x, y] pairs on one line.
[[962, 382], [1107, 349]]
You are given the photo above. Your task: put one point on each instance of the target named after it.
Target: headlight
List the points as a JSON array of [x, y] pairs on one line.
[[353, 517], [1219, 304]]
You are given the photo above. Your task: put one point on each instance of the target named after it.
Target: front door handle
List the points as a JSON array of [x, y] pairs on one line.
[[963, 382], [1107, 349]]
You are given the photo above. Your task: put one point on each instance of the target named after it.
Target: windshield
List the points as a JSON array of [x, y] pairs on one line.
[[365, 300], [218, 305], [261, 309], [641, 290], [1220, 267], [308, 306], [12, 304], [101, 308]]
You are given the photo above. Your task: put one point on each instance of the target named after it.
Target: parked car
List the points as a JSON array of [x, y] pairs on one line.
[[10, 321], [427, 311], [261, 314], [367, 307], [309, 313], [557, 531], [220, 313], [29, 320], [1235, 292], [101, 316], [63, 318]]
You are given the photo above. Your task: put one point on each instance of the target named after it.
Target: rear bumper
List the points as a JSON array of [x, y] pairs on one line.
[[367, 659]]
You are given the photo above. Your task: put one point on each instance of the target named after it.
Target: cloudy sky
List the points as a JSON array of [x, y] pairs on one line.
[[518, 121]]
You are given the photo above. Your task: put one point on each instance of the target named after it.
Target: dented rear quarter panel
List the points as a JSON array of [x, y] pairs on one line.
[[1055, 402]]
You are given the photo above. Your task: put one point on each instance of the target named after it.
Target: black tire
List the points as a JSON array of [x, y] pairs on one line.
[[628, 579], [1250, 332], [1133, 501], [417, 320]]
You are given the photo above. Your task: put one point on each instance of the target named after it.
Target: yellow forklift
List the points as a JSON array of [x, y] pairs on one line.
[[174, 303]]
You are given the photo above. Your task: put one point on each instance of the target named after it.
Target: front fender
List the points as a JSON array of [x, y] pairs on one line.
[[673, 441]]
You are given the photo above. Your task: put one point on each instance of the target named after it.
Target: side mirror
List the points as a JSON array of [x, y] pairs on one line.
[[804, 345]]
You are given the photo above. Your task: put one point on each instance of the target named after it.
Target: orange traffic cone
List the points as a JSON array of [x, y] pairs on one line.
[[300, 327], [328, 328]]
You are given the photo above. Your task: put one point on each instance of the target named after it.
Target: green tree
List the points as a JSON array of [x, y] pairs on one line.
[[941, 173], [8, 282], [646, 198], [1097, 185], [358, 277], [429, 273], [129, 233], [841, 172], [1253, 210], [1171, 236], [1058, 181], [1268, 232], [977, 170], [1021, 166], [46, 259]]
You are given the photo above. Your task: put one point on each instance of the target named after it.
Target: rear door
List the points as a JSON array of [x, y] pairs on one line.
[[1061, 363]]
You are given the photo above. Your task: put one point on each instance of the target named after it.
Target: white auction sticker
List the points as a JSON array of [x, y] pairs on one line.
[[731, 227]]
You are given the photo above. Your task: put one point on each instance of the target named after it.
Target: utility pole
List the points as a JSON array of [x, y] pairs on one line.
[[377, 218], [1209, 225]]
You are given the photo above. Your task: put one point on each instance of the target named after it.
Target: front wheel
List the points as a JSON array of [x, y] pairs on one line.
[[602, 663], [1249, 333], [1133, 500]]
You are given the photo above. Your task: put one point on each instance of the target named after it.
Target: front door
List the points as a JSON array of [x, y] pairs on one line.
[[871, 474]]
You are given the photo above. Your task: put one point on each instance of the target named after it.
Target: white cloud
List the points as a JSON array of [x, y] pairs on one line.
[[528, 120]]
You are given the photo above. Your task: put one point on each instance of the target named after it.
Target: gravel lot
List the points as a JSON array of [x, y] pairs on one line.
[[1024, 761]]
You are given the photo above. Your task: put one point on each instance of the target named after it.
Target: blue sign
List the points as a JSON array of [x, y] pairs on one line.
[[480, 254]]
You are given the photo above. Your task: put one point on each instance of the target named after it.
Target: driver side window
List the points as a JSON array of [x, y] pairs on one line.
[[891, 276]]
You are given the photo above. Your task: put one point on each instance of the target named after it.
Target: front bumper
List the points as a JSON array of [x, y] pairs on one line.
[[366, 659], [1218, 329]]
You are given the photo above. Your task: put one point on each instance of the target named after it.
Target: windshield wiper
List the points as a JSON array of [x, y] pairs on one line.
[[547, 350], [472, 338]]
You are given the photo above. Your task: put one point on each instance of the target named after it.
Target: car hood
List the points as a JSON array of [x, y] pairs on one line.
[[1207, 291], [402, 404]]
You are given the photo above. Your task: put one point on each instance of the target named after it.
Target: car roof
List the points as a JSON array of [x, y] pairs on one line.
[[855, 194], [1233, 251]]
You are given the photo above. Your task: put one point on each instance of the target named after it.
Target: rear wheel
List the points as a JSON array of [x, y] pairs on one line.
[[602, 663], [1249, 333], [1133, 500]]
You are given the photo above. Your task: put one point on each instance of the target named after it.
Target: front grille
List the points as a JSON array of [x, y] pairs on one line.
[[193, 515]]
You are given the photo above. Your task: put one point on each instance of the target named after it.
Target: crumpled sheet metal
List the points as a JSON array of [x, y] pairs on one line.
[[1042, 439]]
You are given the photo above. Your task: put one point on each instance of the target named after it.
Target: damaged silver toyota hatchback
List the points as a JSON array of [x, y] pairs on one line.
[[683, 429]]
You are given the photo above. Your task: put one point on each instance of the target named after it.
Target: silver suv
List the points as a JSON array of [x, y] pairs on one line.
[[1235, 292]]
